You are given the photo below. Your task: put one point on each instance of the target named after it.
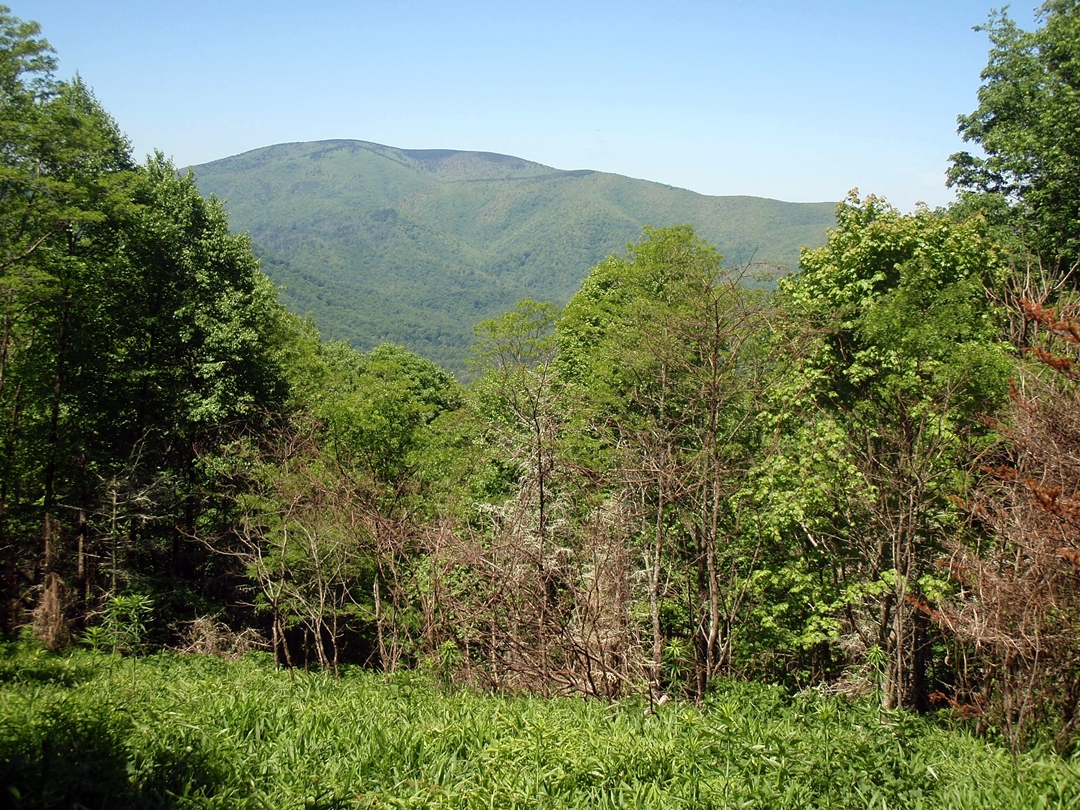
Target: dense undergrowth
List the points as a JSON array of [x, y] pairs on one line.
[[93, 730]]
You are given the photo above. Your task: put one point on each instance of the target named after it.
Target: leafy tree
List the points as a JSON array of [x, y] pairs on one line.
[[662, 347], [192, 365], [1026, 125], [64, 172], [136, 337], [902, 367], [332, 495]]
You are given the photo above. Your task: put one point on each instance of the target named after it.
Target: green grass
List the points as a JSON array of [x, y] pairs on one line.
[[199, 732]]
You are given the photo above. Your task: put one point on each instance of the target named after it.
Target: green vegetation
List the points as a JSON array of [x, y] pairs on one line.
[[200, 732], [136, 335], [1027, 129], [660, 525], [382, 244]]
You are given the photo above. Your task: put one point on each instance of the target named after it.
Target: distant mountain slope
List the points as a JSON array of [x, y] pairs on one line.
[[415, 246]]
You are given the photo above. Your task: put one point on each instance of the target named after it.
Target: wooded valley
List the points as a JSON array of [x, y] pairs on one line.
[[865, 482]]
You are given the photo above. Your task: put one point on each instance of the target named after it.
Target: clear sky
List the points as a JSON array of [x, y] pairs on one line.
[[795, 100]]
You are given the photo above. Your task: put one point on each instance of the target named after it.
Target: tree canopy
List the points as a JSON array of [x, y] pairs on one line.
[[1027, 126]]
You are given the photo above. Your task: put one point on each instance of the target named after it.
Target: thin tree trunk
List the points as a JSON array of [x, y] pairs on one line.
[[654, 595], [50, 524]]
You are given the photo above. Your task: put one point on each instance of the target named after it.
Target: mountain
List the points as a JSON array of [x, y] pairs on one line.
[[415, 246]]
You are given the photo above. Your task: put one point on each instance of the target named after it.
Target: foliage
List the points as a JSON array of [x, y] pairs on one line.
[[1015, 610], [136, 335], [1026, 126], [898, 362], [199, 732], [126, 619], [330, 496], [680, 477], [663, 350]]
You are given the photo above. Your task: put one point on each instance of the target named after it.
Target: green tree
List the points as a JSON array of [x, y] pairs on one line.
[[903, 366], [64, 172], [187, 362], [136, 336], [1027, 126], [662, 347], [332, 496]]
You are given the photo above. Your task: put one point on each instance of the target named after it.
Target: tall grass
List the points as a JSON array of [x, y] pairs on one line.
[[200, 732]]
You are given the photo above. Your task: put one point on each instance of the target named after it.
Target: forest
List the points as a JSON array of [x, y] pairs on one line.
[[864, 483]]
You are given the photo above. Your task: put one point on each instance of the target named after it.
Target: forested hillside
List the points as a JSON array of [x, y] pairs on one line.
[[417, 246], [863, 482]]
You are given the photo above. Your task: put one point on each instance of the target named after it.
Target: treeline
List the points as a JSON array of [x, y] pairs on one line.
[[865, 481]]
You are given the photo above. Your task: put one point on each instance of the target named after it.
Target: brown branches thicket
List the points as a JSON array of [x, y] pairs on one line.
[[548, 618], [1019, 601]]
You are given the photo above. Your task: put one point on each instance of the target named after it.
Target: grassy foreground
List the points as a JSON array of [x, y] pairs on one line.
[[90, 730]]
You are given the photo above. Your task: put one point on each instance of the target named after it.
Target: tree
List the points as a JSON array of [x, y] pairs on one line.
[[187, 362], [1018, 604], [662, 347], [331, 495], [64, 172], [904, 366], [136, 335], [1027, 125], [302, 534]]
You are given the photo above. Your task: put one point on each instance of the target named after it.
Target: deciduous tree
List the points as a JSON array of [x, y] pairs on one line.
[[904, 366], [1027, 126]]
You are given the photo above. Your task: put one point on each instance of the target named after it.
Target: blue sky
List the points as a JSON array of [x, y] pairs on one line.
[[797, 101]]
